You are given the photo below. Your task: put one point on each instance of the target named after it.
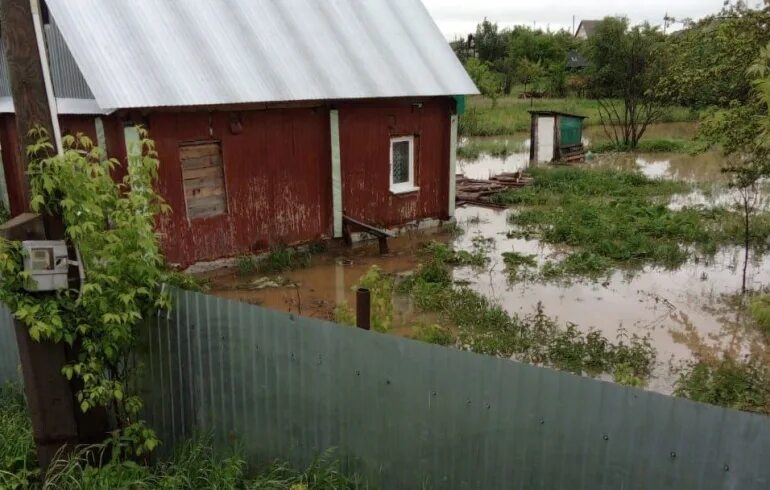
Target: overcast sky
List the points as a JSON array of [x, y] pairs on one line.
[[459, 17]]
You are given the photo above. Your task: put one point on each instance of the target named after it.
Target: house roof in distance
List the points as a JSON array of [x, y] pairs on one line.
[[150, 53], [589, 26]]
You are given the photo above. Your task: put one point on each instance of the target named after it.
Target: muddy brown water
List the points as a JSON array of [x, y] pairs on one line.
[[683, 310]]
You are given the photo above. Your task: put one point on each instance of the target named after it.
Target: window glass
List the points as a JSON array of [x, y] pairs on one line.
[[401, 155]]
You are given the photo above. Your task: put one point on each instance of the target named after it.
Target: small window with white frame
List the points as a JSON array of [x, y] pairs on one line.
[[402, 164]]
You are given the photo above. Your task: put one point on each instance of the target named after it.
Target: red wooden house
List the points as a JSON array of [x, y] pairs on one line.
[[272, 118]]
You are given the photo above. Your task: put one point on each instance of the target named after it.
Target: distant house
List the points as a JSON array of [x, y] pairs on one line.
[[586, 28], [576, 61], [272, 118]]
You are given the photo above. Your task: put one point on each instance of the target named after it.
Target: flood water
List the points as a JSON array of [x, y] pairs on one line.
[[683, 310]]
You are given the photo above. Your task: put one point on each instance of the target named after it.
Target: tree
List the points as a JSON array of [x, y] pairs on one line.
[[743, 133], [528, 72], [708, 61], [626, 63], [487, 81], [490, 44]]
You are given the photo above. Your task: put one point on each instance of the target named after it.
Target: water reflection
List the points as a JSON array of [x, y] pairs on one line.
[[654, 301]]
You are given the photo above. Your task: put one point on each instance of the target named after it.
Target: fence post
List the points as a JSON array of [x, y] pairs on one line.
[[363, 308]]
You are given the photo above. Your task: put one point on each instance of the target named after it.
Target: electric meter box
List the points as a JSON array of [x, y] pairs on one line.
[[48, 264]]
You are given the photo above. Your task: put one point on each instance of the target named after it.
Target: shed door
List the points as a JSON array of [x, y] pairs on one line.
[[571, 129], [545, 138]]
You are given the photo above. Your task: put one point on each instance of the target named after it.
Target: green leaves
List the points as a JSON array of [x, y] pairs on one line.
[[113, 227]]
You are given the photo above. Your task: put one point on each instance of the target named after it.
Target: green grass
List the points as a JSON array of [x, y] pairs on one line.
[[478, 257], [612, 218], [510, 114], [661, 145], [519, 266], [760, 312], [278, 259], [194, 465], [434, 334], [282, 259], [18, 461]]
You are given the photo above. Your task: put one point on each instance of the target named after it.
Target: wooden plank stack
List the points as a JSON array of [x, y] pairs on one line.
[[480, 192]]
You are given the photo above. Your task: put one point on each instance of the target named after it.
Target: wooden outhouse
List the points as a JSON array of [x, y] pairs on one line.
[[556, 136]]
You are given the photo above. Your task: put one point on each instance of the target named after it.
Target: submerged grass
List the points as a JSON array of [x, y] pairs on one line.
[[473, 149], [485, 327], [509, 114], [660, 145], [613, 218], [278, 259]]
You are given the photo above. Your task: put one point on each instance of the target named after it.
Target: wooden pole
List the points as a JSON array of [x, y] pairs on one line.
[[50, 396]]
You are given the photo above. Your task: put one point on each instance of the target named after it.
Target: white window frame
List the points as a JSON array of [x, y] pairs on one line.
[[403, 187]]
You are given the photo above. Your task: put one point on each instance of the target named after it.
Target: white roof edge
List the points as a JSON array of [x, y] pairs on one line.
[[65, 106]]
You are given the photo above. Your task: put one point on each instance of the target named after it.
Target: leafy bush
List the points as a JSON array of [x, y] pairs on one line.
[[434, 334], [739, 384]]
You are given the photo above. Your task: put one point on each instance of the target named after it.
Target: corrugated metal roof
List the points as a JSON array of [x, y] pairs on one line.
[[147, 53], [73, 96], [68, 82]]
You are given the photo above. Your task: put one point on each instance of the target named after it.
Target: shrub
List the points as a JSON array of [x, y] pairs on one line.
[[434, 334], [739, 384]]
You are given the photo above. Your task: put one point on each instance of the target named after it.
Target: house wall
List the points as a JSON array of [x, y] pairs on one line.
[[277, 179], [277, 170], [365, 132]]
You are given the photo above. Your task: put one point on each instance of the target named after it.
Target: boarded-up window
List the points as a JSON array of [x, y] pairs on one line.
[[204, 179]]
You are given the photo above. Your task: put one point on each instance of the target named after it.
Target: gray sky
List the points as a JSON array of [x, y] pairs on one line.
[[461, 16]]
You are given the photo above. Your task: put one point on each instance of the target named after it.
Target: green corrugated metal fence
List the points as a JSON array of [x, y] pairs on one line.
[[405, 413]]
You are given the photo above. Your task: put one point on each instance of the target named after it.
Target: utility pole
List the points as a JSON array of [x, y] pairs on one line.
[[56, 421]]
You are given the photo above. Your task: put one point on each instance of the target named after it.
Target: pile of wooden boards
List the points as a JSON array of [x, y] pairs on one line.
[[573, 154], [480, 192]]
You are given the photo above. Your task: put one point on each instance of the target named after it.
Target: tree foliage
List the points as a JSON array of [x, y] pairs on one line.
[[742, 130], [626, 65], [708, 61], [510, 54], [486, 80], [112, 226]]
